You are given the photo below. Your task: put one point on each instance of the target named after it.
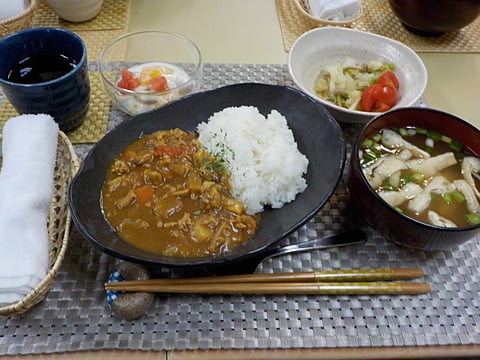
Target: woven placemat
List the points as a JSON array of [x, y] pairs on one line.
[[111, 22], [75, 316], [96, 121], [95, 41], [378, 18]]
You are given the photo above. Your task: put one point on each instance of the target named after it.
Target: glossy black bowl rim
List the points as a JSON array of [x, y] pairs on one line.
[[212, 262], [385, 205]]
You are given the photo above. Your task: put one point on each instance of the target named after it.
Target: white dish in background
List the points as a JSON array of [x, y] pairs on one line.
[[76, 10], [328, 45], [10, 8], [308, 11]]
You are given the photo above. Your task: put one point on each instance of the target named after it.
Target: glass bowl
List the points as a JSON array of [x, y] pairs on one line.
[[142, 71]]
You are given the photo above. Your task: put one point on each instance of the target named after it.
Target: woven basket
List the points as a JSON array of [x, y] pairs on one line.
[[59, 223], [304, 10], [18, 22]]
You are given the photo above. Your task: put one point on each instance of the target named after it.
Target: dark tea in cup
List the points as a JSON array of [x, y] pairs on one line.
[[45, 71], [41, 67]]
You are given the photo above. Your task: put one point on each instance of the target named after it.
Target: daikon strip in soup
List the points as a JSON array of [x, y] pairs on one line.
[[424, 174]]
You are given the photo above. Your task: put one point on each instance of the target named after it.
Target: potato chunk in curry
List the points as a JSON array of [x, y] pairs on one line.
[[165, 194]]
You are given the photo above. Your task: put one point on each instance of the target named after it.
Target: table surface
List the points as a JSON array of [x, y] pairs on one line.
[[248, 32]]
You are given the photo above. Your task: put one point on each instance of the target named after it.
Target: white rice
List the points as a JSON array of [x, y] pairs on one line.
[[266, 168]]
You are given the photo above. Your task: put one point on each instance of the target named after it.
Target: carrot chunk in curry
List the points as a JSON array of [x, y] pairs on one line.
[[166, 194]]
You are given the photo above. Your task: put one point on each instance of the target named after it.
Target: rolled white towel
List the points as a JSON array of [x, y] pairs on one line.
[[9, 8], [29, 146], [336, 10]]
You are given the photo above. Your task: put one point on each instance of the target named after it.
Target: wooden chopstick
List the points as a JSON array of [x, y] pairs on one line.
[[316, 282], [328, 288], [310, 276]]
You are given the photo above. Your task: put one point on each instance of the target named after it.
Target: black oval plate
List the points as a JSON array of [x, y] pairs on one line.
[[318, 136]]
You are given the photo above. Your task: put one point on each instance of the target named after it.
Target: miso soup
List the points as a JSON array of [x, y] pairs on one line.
[[425, 175]]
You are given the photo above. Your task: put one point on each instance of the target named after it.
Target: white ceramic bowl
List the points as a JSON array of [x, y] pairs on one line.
[[329, 45]]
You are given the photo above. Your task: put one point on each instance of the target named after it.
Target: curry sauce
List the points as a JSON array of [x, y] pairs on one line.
[[166, 194]]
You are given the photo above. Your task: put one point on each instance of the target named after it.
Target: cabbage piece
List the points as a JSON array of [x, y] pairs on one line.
[[375, 65], [438, 185], [393, 140], [430, 167], [438, 220], [471, 165]]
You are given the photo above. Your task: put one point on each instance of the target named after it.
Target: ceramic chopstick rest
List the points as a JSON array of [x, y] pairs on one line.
[[129, 306]]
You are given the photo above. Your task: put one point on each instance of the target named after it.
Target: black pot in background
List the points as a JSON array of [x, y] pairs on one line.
[[435, 17]]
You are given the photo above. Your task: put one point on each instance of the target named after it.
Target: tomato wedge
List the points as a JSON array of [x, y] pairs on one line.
[[378, 98], [387, 95], [389, 78], [382, 95], [368, 98]]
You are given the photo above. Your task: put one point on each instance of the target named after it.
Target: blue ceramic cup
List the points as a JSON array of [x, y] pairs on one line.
[[64, 96]]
